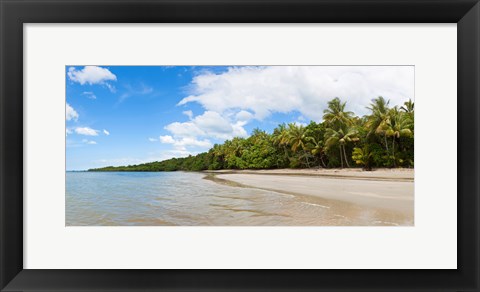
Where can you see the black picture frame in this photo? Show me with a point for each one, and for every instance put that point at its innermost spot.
(14, 13)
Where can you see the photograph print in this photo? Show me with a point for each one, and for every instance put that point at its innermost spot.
(239, 145)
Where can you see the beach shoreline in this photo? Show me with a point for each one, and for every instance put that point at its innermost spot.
(385, 189)
(390, 174)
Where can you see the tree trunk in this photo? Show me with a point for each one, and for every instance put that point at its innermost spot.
(393, 152)
(341, 157)
(345, 155)
(386, 145)
(321, 160)
(286, 151)
(306, 157)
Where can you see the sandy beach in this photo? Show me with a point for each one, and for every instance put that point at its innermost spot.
(391, 190)
(401, 174)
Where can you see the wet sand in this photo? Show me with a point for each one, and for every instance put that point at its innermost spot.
(400, 174)
(386, 189)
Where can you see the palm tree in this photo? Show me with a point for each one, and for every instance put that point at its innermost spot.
(399, 125)
(379, 115)
(296, 136)
(297, 139)
(363, 156)
(317, 148)
(379, 118)
(408, 106)
(218, 150)
(340, 127)
(341, 138)
(280, 137)
(335, 115)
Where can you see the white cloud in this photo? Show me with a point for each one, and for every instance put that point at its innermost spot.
(238, 130)
(90, 142)
(89, 95)
(152, 139)
(68, 131)
(243, 116)
(189, 114)
(213, 123)
(188, 141)
(210, 124)
(70, 113)
(184, 129)
(91, 75)
(142, 89)
(111, 87)
(106, 132)
(167, 139)
(86, 131)
(307, 89)
(185, 142)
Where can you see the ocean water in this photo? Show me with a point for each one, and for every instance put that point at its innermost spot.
(188, 199)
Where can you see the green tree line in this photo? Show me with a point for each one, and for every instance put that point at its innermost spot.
(383, 138)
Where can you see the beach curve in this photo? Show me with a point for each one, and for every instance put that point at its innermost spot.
(387, 189)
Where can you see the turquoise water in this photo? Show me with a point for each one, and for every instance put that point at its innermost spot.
(187, 199)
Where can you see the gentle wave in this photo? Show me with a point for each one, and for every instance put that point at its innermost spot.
(316, 205)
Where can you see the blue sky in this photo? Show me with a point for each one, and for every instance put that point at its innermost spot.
(120, 115)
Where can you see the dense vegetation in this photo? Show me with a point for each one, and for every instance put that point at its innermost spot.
(384, 138)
